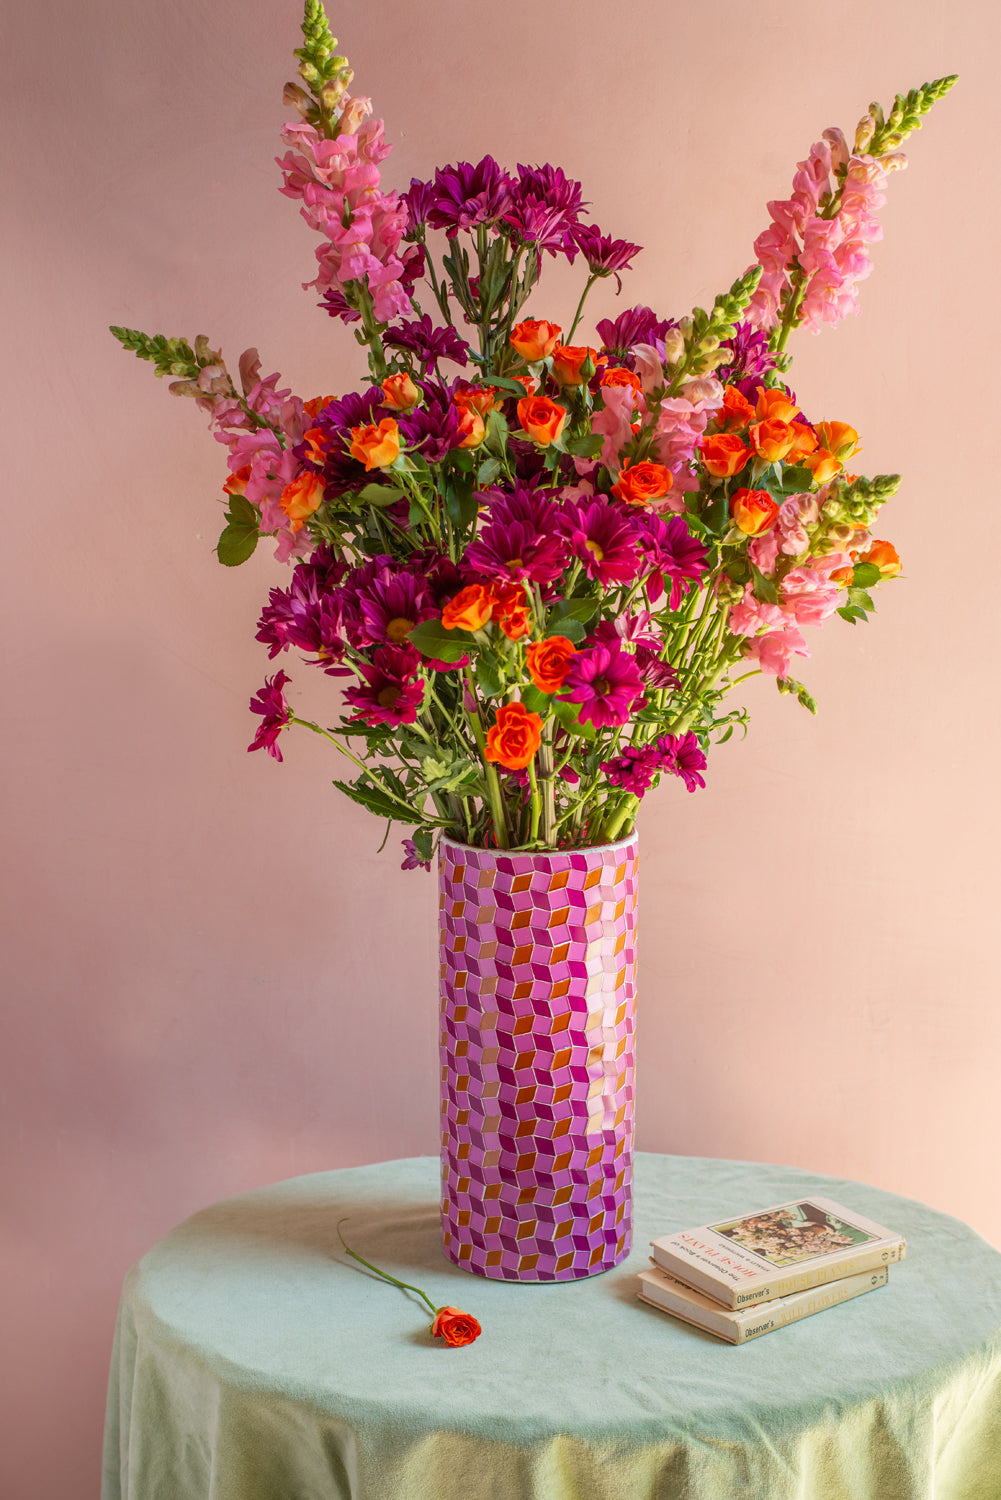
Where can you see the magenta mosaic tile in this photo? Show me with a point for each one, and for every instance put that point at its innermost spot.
(538, 964)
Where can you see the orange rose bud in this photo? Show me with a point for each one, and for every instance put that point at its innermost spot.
(736, 411)
(376, 447)
(838, 438)
(753, 511)
(844, 577)
(883, 555)
(511, 610)
(472, 427)
(314, 406)
(822, 465)
(772, 439)
(236, 484)
(535, 340)
(541, 419)
(301, 497)
(640, 483)
(723, 454)
(570, 363)
(455, 1327)
(618, 376)
(469, 610)
(515, 737)
(773, 403)
(547, 661)
(400, 392)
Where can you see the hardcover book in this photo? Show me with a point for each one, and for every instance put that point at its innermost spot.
(777, 1251)
(662, 1291)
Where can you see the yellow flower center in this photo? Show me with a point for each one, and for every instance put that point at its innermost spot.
(387, 696)
(399, 629)
(593, 547)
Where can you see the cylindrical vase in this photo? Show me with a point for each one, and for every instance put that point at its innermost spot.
(538, 992)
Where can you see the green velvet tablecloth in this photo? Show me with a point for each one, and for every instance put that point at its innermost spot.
(253, 1361)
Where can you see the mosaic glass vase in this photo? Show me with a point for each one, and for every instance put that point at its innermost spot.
(538, 960)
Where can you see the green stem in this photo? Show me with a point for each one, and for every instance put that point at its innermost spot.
(305, 724)
(384, 1275)
(494, 795)
(580, 306)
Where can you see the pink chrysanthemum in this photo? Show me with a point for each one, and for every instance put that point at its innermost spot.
(604, 537)
(394, 693)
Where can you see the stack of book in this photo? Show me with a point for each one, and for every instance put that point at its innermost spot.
(744, 1277)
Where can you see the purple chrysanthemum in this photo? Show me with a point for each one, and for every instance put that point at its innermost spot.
(605, 682)
(603, 536)
(521, 539)
(427, 342)
(337, 305)
(432, 429)
(637, 325)
(411, 857)
(683, 755)
(464, 195)
(418, 199)
(394, 692)
(604, 256)
(671, 552)
(275, 714)
(307, 614)
(752, 359)
(544, 208)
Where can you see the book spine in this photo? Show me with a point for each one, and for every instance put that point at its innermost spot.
(752, 1325)
(802, 1281)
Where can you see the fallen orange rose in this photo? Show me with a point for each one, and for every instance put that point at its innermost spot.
(450, 1323)
(455, 1327)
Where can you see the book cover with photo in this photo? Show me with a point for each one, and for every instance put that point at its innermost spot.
(739, 1325)
(774, 1252)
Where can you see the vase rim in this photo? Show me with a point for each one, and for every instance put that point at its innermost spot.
(629, 841)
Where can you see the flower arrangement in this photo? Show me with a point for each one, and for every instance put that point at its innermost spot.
(538, 566)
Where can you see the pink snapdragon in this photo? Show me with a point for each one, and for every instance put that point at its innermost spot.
(808, 597)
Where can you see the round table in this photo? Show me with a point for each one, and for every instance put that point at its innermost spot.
(254, 1361)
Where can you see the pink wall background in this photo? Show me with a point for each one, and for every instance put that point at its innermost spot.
(212, 978)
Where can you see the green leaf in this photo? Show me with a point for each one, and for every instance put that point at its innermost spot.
(715, 515)
(865, 574)
(242, 512)
(573, 630)
(504, 383)
(588, 445)
(796, 480)
(581, 608)
(536, 701)
(852, 613)
(424, 842)
(432, 639)
(764, 588)
(569, 716)
(236, 544)
(379, 802)
(488, 676)
(861, 599)
(378, 494)
(461, 502)
(489, 470)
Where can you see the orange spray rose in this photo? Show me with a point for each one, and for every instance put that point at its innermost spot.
(822, 465)
(541, 419)
(515, 737)
(469, 610)
(772, 439)
(376, 447)
(618, 376)
(640, 483)
(753, 511)
(511, 611)
(236, 484)
(301, 496)
(723, 454)
(775, 404)
(569, 360)
(535, 339)
(736, 411)
(547, 661)
(883, 555)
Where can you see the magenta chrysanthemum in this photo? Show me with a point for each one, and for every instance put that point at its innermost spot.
(520, 540)
(605, 682)
(671, 552)
(634, 769)
(683, 755)
(464, 195)
(275, 714)
(604, 537)
(393, 693)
